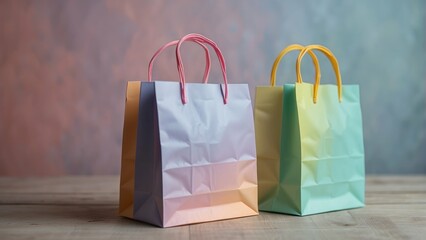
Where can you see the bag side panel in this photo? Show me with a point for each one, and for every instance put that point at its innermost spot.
(148, 198)
(268, 121)
(288, 199)
(128, 154)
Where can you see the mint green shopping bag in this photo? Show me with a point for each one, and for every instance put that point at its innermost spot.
(322, 149)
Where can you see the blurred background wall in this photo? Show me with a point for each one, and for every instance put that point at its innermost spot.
(64, 67)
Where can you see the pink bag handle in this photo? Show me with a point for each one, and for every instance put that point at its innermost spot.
(159, 51)
(181, 70)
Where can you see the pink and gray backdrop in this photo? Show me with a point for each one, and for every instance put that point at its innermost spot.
(64, 66)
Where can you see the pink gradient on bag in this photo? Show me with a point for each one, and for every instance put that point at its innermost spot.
(210, 195)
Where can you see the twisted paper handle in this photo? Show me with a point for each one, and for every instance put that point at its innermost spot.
(181, 70)
(160, 50)
(333, 61)
(287, 50)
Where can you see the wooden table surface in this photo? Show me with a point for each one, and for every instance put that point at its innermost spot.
(86, 208)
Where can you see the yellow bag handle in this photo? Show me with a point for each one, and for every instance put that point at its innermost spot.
(333, 61)
(287, 50)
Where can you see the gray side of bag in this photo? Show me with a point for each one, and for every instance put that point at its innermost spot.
(148, 194)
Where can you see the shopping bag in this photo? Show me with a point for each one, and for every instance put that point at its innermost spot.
(321, 149)
(194, 150)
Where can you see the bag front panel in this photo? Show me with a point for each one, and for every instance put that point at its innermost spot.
(208, 153)
(333, 174)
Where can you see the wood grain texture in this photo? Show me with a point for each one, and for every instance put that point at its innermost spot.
(86, 208)
(64, 67)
